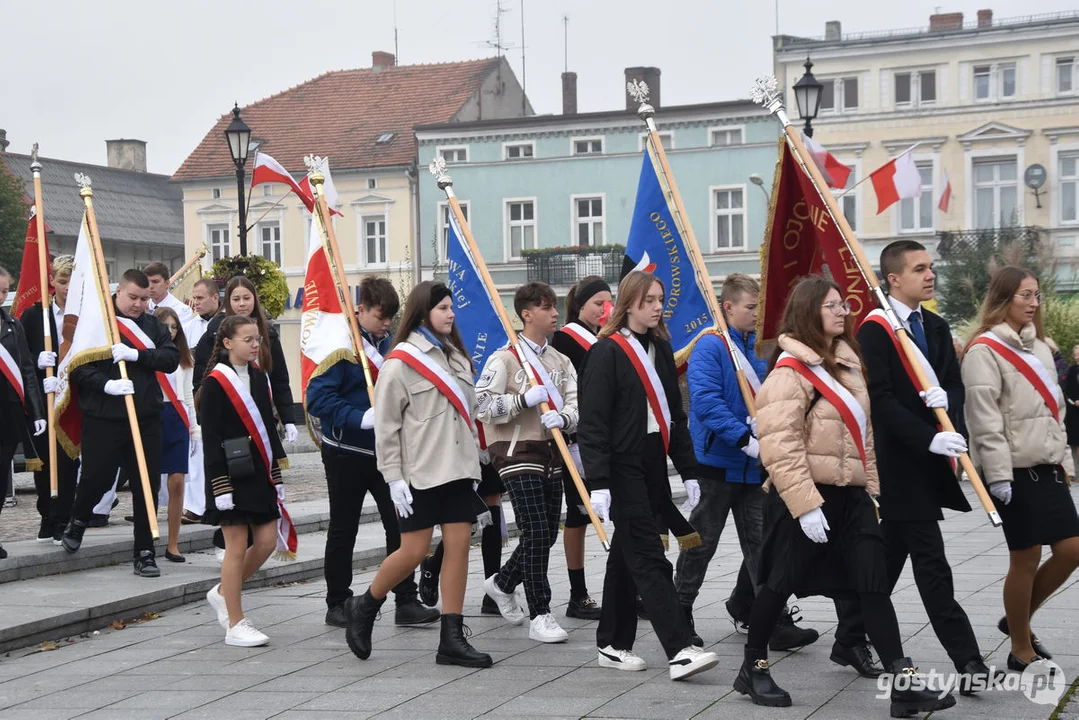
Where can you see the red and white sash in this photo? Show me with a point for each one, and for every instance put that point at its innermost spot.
(437, 375)
(743, 363)
(134, 334)
(833, 391)
(653, 388)
(877, 316)
(584, 337)
(374, 358)
(11, 371)
(1029, 366)
(554, 397)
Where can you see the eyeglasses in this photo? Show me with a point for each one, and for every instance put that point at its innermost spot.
(1028, 296)
(837, 308)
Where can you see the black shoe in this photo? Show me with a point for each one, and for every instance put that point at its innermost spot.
(788, 636)
(583, 608)
(1035, 643)
(739, 618)
(145, 565)
(72, 537)
(46, 531)
(641, 612)
(413, 612)
(428, 584)
(1018, 665)
(694, 638)
(174, 557)
(489, 606)
(859, 657)
(361, 612)
(129, 518)
(975, 676)
(98, 521)
(337, 616)
(453, 647)
(755, 679)
(912, 697)
(3, 553)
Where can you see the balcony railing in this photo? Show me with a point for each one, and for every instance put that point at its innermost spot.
(566, 265)
(960, 244)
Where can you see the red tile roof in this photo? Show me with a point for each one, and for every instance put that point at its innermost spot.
(341, 114)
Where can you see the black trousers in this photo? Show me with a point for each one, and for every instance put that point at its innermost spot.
(56, 510)
(349, 477)
(106, 444)
(537, 506)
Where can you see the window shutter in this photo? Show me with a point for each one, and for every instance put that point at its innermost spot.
(886, 90)
(965, 80)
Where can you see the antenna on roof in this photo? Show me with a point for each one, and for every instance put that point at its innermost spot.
(524, 76)
(396, 50)
(497, 42)
(565, 42)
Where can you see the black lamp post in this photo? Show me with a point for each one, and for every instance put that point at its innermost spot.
(807, 93)
(239, 137)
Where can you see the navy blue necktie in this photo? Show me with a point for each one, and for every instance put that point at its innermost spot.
(918, 332)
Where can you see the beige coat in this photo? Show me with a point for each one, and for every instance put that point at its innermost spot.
(799, 449)
(419, 436)
(1010, 426)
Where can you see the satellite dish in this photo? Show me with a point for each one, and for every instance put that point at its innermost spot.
(1035, 176)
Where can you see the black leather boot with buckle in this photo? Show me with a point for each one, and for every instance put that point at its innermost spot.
(755, 679)
(910, 694)
(362, 612)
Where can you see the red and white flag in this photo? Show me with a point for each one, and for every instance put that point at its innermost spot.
(946, 194)
(29, 291)
(325, 337)
(835, 173)
(898, 179)
(268, 170)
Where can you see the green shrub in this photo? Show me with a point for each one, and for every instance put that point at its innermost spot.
(264, 274)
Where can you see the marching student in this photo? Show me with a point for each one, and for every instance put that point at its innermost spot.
(243, 459)
(1014, 411)
(204, 302)
(526, 457)
(585, 304)
(819, 455)
(55, 513)
(631, 421)
(428, 454)
(147, 348)
(728, 452)
(338, 397)
(179, 428)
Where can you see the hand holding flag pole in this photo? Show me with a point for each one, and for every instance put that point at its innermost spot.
(445, 183)
(112, 332)
(46, 315)
(765, 93)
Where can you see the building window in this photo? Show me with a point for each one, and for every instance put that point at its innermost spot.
(916, 214)
(518, 151)
(994, 82)
(454, 154)
(995, 194)
(219, 241)
(1069, 188)
(385, 138)
(215, 193)
(372, 183)
(727, 136)
(267, 190)
(269, 235)
(520, 226)
(914, 89)
(666, 139)
(839, 95)
(374, 240)
(444, 227)
(587, 146)
(848, 201)
(1007, 81)
(588, 217)
(1065, 75)
(730, 219)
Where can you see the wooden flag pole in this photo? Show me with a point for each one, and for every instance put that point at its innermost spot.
(639, 91)
(46, 317)
(445, 183)
(188, 267)
(112, 332)
(765, 93)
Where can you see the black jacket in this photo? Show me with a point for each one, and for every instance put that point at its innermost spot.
(90, 378)
(279, 380)
(1071, 392)
(14, 341)
(914, 483)
(35, 335)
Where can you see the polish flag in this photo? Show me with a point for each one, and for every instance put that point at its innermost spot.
(835, 173)
(325, 336)
(946, 194)
(898, 179)
(268, 170)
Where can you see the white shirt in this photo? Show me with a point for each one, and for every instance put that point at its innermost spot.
(903, 313)
(182, 311)
(245, 377)
(538, 349)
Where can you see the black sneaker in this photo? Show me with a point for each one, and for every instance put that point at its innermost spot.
(98, 521)
(337, 616)
(413, 612)
(145, 565)
(788, 636)
(72, 538)
(584, 608)
(46, 531)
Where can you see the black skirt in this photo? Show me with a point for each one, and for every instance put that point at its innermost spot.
(490, 481)
(246, 517)
(454, 502)
(1041, 511)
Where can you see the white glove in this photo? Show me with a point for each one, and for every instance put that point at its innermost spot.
(601, 504)
(814, 525)
(484, 519)
(224, 502)
(291, 433)
(534, 396)
(280, 488)
(121, 352)
(119, 387)
(402, 497)
(575, 455)
(368, 421)
(948, 444)
(39, 427)
(1001, 491)
(485, 458)
(935, 397)
(552, 420)
(51, 385)
(693, 495)
(46, 359)
(752, 448)
(752, 422)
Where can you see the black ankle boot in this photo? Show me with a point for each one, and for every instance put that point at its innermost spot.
(694, 638)
(454, 649)
(910, 695)
(755, 679)
(361, 612)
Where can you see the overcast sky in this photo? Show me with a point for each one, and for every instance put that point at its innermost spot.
(78, 73)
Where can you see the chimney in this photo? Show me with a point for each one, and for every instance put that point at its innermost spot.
(833, 30)
(649, 75)
(985, 18)
(569, 93)
(127, 154)
(3, 140)
(381, 60)
(945, 21)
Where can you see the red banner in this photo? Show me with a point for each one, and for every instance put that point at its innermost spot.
(29, 291)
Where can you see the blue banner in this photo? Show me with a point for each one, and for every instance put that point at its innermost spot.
(655, 245)
(476, 317)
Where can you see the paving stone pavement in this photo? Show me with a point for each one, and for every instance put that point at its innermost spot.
(177, 666)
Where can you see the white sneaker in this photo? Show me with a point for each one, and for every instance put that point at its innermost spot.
(244, 634)
(544, 628)
(219, 553)
(691, 660)
(217, 602)
(506, 602)
(620, 659)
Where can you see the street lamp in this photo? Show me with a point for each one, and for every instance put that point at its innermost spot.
(807, 94)
(239, 137)
(759, 182)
